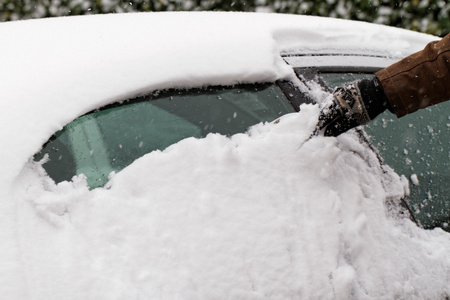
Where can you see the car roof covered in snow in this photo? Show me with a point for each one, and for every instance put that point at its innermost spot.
(54, 70)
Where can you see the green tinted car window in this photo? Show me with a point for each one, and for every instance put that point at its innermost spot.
(110, 139)
(418, 146)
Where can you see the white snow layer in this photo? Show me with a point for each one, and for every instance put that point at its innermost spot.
(259, 215)
(255, 216)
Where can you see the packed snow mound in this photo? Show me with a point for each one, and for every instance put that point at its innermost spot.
(261, 215)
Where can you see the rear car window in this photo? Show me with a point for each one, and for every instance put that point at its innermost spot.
(111, 138)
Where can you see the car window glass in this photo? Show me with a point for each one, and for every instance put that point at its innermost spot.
(112, 138)
(333, 80)
(417, 146)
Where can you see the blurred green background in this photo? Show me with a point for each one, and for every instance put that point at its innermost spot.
(430, 16)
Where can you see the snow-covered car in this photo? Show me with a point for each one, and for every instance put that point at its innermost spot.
(168, 156)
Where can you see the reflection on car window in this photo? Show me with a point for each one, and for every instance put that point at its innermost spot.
(417, 146)
(112, 138)
(333, 80)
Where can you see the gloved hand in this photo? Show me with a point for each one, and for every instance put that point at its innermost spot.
(354, 104)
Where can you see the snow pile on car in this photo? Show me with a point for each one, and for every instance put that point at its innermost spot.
(255, 216)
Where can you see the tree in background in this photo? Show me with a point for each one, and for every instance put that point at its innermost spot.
(430, 16)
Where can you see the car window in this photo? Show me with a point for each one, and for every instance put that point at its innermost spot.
(111, 138)
(417, 146)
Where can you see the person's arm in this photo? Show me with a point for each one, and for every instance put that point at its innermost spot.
(420, 80)
(417, 81)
